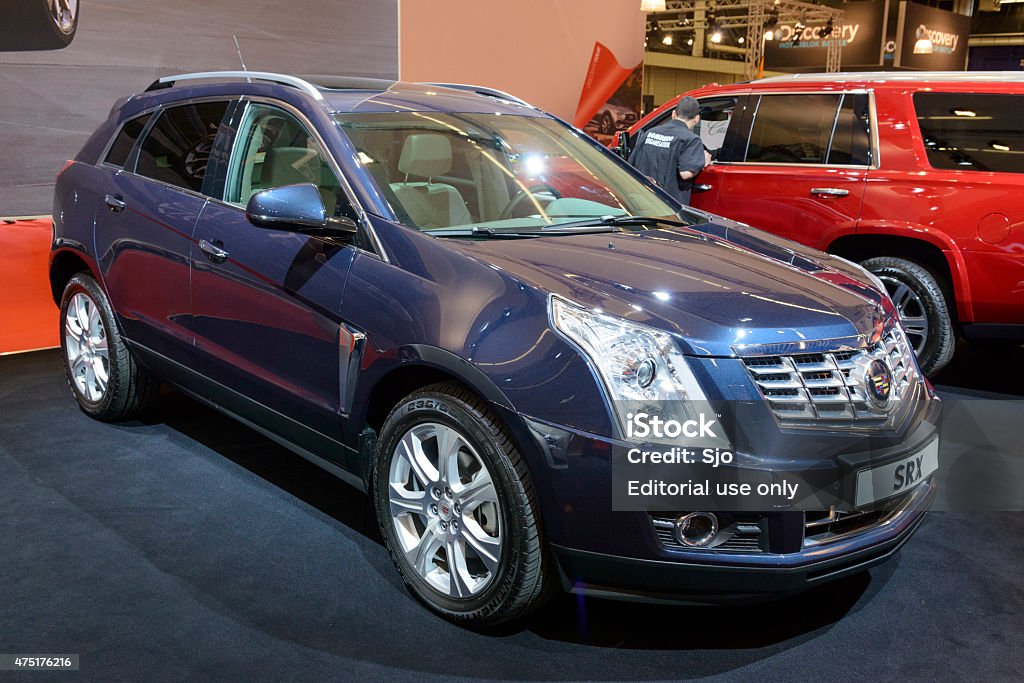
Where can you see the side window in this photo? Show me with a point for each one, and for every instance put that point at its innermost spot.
(734, 147)
(972, 131)
(715, 116)
(851, 141)
(792, 129)
(178, 146)
(125, 141)
(273, 149)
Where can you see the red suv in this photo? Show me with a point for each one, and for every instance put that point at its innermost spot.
(911, 175)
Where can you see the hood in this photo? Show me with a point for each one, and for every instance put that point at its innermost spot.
(716, 287)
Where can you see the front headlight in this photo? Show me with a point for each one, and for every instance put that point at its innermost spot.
(640, 366)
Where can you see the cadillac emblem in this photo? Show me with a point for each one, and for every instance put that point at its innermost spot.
(878, 384)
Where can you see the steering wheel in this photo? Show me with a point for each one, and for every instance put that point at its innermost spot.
(522, 195)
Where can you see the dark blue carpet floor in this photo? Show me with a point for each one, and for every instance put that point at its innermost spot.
(189, 547)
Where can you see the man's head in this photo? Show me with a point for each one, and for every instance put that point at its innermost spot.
(687, 110)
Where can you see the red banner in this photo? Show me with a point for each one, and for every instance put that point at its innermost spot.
(604, 76)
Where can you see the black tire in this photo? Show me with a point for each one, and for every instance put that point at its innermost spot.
(520, 581)
(30, 25)
(607, 124)
(934, 294)
(130, 389)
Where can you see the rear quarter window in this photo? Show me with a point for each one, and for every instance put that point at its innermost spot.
(972, 131)
(125, 141)
(177, 149)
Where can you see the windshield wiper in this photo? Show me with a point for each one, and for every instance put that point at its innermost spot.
(622, 221)
(587, 228)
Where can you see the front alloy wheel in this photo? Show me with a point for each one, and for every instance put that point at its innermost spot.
(445, 510)
(457, 509)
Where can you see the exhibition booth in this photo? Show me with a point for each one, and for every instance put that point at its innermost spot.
(521, 341)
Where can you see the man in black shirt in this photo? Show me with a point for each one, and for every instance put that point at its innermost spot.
(671, 154)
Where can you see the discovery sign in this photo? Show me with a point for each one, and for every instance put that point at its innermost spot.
(931, 39)
(797, 47)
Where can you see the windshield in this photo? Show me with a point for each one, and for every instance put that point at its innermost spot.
(493, 171)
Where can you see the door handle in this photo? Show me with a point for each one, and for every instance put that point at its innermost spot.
(702, 187)
(115, 202)
(829, 192)
(214, 251)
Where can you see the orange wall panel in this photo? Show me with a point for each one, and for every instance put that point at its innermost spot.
(538, 50)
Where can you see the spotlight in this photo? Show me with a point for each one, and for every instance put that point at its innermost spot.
(689, 41)
(741, 40)
(716, 37)
(667, 40)
(769, 35)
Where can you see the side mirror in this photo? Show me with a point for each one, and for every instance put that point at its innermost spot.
(294, 207)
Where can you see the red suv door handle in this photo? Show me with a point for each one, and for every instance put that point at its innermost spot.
(829, 192)
(703, 187)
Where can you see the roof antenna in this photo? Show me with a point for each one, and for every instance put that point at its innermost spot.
(239, 51)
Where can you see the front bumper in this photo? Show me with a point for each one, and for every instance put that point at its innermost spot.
(740, 578)
(600, 551)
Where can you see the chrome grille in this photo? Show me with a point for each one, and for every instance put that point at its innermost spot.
(822, 527)
(806, 388)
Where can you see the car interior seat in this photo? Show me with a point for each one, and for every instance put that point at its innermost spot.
(429, 204)
(294, 165)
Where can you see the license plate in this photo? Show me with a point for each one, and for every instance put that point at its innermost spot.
(897, 477)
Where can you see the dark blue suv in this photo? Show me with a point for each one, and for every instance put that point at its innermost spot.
(449, 299)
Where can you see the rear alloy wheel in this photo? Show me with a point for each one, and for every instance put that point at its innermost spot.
(921, 301)
(88, 356)
(456, 508)
(104, 377)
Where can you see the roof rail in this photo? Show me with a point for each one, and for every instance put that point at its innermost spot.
(249, 76)
(482, 90)
(331, 82)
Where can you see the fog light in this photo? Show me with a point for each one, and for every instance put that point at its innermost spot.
(697, 529)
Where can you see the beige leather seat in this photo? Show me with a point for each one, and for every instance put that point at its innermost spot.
(290, 166)
(429, 204)
(294, 165)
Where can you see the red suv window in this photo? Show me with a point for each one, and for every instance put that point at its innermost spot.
(972, 131)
